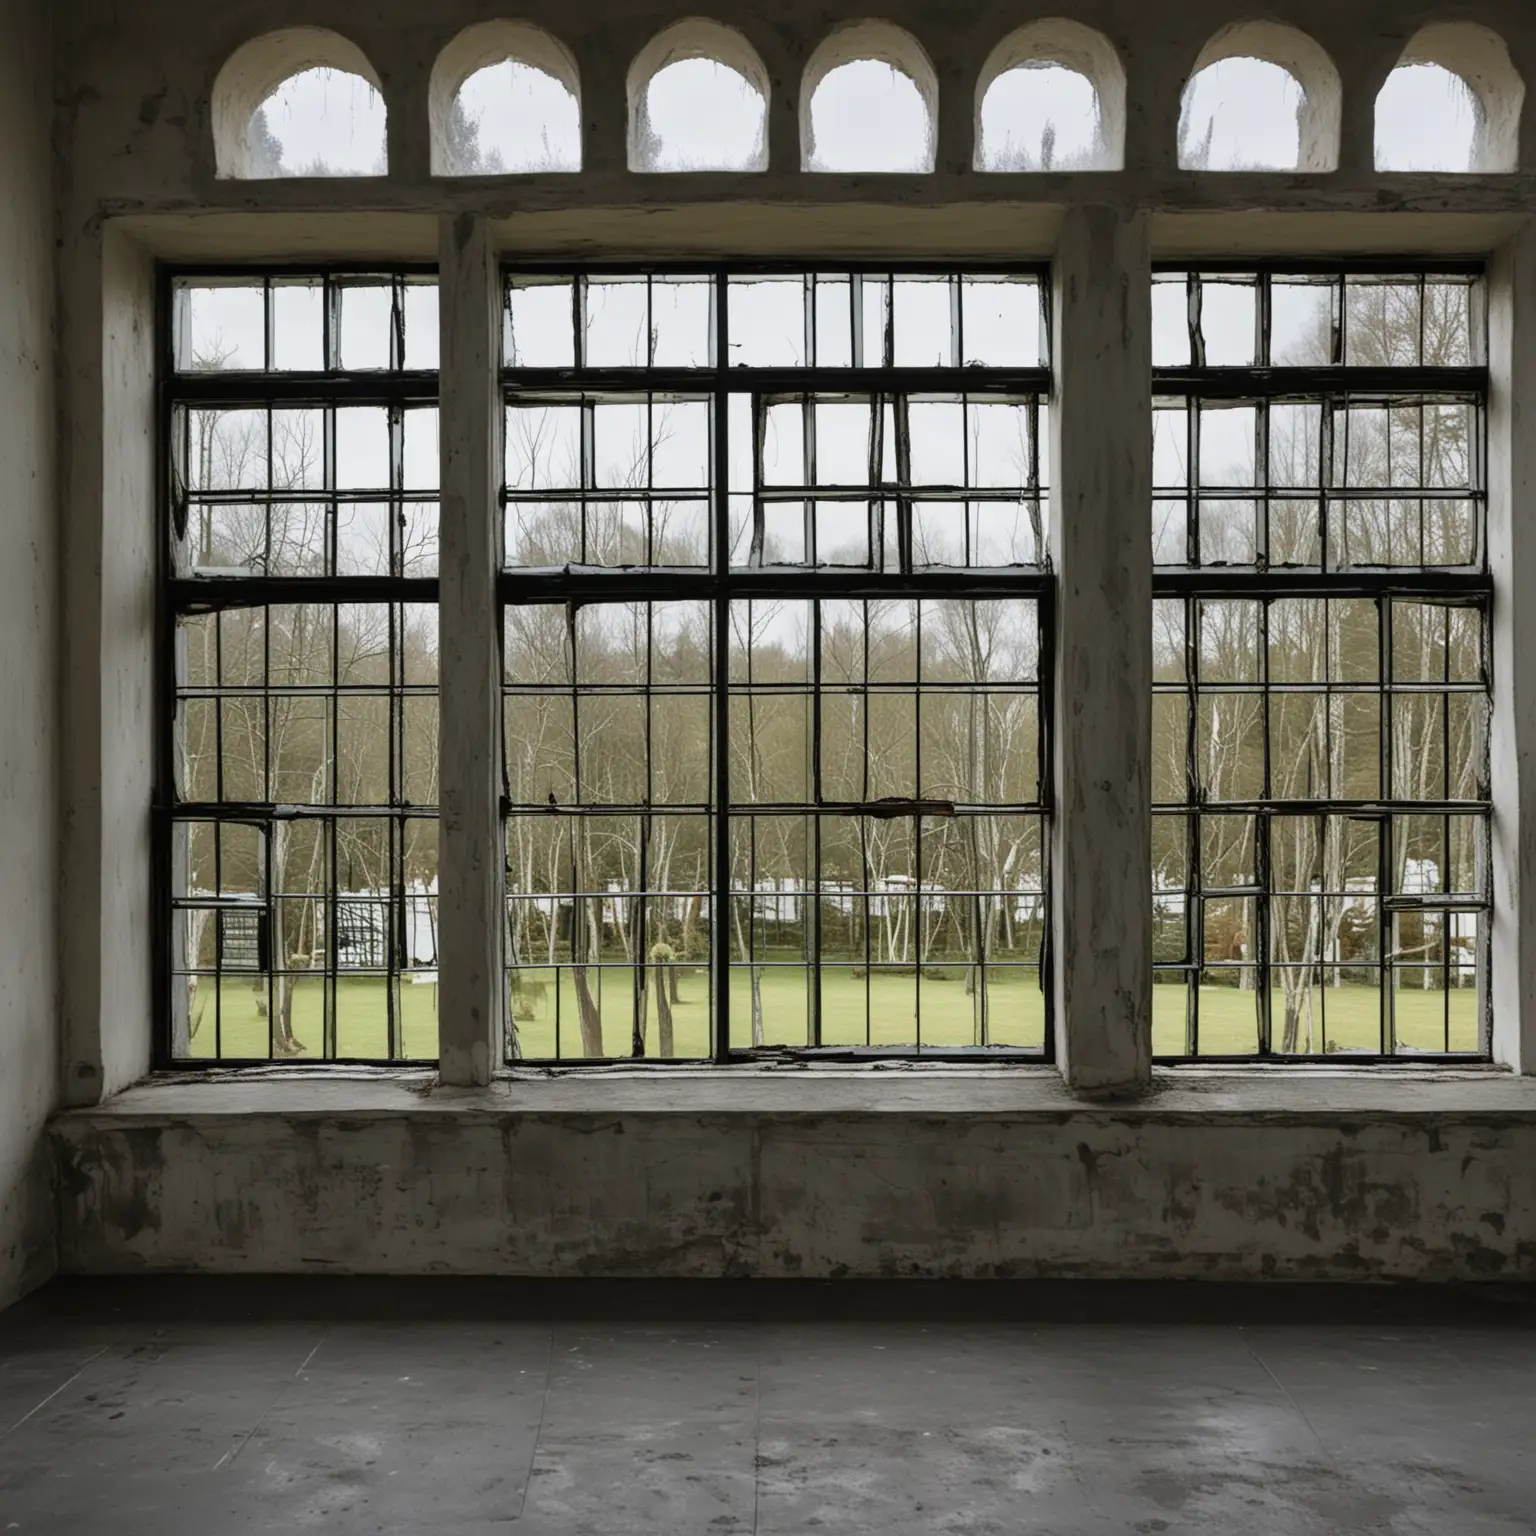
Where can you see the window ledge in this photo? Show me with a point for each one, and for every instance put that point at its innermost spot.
(1187, 1094)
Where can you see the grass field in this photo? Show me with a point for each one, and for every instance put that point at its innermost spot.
(361, 1025)
(1346, 1018)
(879, 1010)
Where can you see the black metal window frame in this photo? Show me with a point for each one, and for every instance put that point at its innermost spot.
(574, 586)
(1329, 386)
(180, 595)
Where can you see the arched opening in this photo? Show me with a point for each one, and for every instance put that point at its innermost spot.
(868, 102)
(698, 101)
(505, 98)
(1051, 98)
(1452, 104)
(1261, 97)
(303, 102)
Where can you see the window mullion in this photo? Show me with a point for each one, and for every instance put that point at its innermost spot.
(470, 856)
(1101, 830)
(1511, 545)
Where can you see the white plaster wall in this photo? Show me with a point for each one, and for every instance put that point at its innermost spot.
(28, 643)
(1063, 1194)
(107, 510)
(140, 75)
(137, 174)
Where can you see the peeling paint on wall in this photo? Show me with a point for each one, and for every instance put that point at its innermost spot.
(697, 1194)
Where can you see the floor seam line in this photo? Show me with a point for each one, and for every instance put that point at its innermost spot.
(538, 1434)
(229, 1458)
(63, 1386)
(757, 1434)
(1301, 1412)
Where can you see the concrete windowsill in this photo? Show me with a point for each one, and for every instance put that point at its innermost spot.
(1314, 1094)
(825, 1173)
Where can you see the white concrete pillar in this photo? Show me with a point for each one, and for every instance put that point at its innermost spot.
(470, 859)
(109, 534)
(1512, 558)
(1101, 478)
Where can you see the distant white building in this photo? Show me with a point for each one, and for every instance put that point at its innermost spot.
(362, 931)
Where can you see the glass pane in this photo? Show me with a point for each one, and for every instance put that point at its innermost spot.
(220, 326)
(540, 323)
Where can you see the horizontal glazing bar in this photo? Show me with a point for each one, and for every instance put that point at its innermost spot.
(825, 381)
(1355, 581)
(1373, 810)
(257, 811)
(1351, 385)
(236, 390)
(586, 584)
(204, 594)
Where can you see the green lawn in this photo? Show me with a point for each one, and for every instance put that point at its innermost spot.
(361, 1026)
(1346, 1018)
(1016, 1013)
(880, 1010)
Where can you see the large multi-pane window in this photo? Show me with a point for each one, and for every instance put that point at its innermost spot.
(296, 832)
(1320, 650)
(775, 596)
(776, 605)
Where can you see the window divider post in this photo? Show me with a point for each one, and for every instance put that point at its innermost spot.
(1101, 493)
(1512, 563)
(470, 857)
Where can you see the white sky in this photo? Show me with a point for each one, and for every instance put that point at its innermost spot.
(329, 116)
(1021, 102)
(867, 116)
(706, 115)
(986, 447)
(526, 116)
(1424, 121)
(1001, 323)
(1251, 107)
(225, 321)
(223, 326)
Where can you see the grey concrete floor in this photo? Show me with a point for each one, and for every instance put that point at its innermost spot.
(269, 1404)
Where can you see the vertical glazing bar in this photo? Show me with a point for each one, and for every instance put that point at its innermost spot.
(1194, 898)
(813, 552)
(720, 776)
(332, 941)
(1261, 477)
(1258, 947)
(331, 339)
(813, 780)
(638, 991)
(395, 939)
(471, 856)
(977, 792)
(1386, 854)
(1192, 479)
(1263, 906)
(1325, 554)
(755, 413)
(218, 945)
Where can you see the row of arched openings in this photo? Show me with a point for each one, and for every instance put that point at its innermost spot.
(506, 99)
